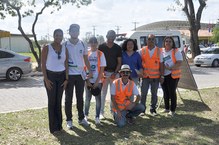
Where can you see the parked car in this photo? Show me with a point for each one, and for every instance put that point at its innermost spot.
(209, 57)
(202, 49)
(13, 65)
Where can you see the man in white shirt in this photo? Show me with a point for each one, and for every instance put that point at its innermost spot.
(78, 57)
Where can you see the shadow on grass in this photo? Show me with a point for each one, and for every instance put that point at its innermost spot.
(193, 106)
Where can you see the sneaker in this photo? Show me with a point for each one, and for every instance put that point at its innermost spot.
(130, 120)
(97, 120)
(165, 111)
(69, 125)
(142, 114)
(153, 112)
(86, 117)
(171, 113)
(101, 117)
(83, 122)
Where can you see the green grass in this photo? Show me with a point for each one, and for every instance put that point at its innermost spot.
(195, 123)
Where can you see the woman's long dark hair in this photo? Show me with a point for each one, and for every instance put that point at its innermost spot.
(169, 37)
(124, 45)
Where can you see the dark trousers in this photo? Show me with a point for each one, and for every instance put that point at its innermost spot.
(169, 90)
(77, 82)
(55, 100)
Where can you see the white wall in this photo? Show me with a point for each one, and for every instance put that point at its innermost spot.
(15, 43)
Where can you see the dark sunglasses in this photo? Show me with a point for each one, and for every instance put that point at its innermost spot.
(125, 72)
(59, 54)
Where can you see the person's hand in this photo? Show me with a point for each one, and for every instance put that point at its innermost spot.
(64, 85)
(95, 85)
(48, 84)
(113, 76)
(130, 106)
(88, 83)
(161, 80)
(168, 67)
(90, 75)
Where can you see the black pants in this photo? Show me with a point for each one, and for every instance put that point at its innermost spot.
(77, 82)
(55, 100)
(169, 90)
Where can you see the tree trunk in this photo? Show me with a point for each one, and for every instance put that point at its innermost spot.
(194, 45)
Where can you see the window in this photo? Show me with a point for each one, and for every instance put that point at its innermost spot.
(4, 54)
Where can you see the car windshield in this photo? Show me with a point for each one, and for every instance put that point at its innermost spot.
(211, 51)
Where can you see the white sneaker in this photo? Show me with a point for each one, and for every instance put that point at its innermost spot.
(97, 120)
(165, 111)
(86, 117)
(83, 122)
(171, 113)
(69, 125)
(101, 117)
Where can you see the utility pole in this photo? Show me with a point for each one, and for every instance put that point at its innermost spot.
(117, 29)
(94, 29)
(135, 23)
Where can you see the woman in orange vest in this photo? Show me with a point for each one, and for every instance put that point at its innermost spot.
(172, 60)
(124, 109)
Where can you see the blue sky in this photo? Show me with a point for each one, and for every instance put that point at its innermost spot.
(107, 14)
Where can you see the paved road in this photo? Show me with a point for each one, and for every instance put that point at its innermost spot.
(29, 92)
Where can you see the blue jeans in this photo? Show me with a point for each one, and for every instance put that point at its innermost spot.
(87, 101)
(139, 108)
(154, 84)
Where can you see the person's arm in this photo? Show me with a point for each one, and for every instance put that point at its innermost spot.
(87, 63)
(66, 70)
(43, 66)
(100, 75)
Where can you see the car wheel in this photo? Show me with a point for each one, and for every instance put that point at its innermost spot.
(198, 65)
(215, 63)
(14, 74)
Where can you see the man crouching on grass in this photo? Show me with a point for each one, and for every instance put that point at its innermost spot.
(121, 91)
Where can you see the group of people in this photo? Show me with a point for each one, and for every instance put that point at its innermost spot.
(70, 65)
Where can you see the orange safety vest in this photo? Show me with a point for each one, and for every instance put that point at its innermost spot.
(122, 97)
(151, 65)
(175, 73)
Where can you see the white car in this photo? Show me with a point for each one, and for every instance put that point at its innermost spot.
(13, 65)
(209, 57)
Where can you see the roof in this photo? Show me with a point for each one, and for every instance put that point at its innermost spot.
(4, 33)
(171, 25)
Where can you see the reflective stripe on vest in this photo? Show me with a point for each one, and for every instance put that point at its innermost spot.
(175, 73)
(151, 65)
(122, 97)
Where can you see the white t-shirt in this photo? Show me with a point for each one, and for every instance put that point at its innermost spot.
(151, 52)
(113, 88)
(52, 61)
(76, 57)
(93, 59)
(168, 60)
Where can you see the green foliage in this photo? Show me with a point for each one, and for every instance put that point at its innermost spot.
(215, 37)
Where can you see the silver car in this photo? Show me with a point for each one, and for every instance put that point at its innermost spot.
(13, 65)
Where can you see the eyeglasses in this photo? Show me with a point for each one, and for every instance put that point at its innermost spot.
(125, 72)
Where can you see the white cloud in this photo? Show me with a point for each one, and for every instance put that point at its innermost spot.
(107, 14)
